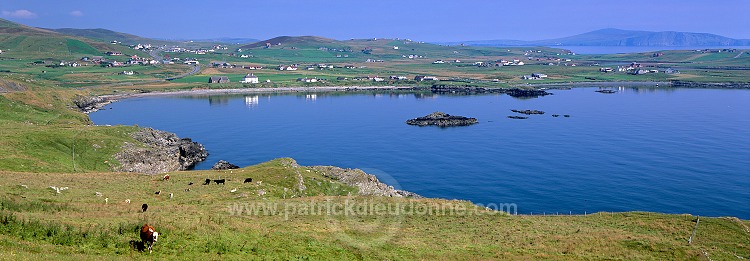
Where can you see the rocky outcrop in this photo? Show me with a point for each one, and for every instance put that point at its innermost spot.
(368, 184)
(524, 93)
(714, 85)
(528, 112)
(471, 90)
(89, 104)
(163, 152)
(11, 86)
(224, 165)
(442, 120)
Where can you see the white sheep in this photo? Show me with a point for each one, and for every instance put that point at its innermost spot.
(58, 190)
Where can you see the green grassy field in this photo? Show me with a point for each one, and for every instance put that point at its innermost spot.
(210, 222)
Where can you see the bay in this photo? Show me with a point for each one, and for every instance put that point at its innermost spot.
(640, 149)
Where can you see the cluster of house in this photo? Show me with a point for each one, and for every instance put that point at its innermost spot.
(499, 63)
(635, 68)
(320, 66)
(222, 65)
(249, 78)
(716, 50)
(292, 67)
(177, 49)
(310, 80)
(534, 76)
(419, 78)
(411, 56)
(142, 47)
(100, 60)
(140, 60)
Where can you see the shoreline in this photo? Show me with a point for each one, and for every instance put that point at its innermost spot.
(669, 84)
(260, 90)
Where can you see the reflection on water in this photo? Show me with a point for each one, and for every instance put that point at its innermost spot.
(218, 100)
(251, 101)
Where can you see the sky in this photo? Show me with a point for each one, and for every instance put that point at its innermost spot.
(419, 20)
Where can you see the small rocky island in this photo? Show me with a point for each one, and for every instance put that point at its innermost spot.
(442, 119)
(528, 112)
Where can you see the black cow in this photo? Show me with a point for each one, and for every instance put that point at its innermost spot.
(144, 207)
(248, 180)
(208, 181)
(220, 181)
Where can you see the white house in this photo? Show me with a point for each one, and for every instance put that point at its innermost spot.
(250, 78)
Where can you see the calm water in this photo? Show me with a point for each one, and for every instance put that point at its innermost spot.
(675, 151)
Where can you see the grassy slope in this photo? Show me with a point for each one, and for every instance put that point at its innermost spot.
(197, 224)
(40, 132)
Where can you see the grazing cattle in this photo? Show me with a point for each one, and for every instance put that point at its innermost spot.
(165, 178)
(171, 195)
(220, 181)
(190, 184)
(157, 192)
(149, 236)
(208, 181)
(248, 180)
(187, 190)
(127, 201)
(144, 207)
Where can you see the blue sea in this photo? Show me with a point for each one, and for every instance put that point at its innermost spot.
(640, 149)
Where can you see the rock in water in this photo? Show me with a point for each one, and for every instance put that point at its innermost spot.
(442, 119)
(224, 165)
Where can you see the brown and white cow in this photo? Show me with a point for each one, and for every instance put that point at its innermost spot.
(148, 236)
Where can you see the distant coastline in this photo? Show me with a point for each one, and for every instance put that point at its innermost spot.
(676, 84)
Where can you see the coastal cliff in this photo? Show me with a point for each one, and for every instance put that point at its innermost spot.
(163, 152)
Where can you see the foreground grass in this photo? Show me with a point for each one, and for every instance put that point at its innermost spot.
(210, 222)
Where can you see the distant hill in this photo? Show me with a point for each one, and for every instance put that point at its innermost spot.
(293, 41)
(8, 27)
(106, 35)
(27, 41)
(618, 37)
(228, 40)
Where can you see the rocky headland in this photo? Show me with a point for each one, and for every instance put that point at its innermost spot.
(442, 119)
(89, 104)
(163, 152)
(368, 184)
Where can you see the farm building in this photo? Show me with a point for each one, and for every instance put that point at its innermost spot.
(250, 78)
(218, 79)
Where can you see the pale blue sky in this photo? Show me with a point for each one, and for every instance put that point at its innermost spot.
(423, 20)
